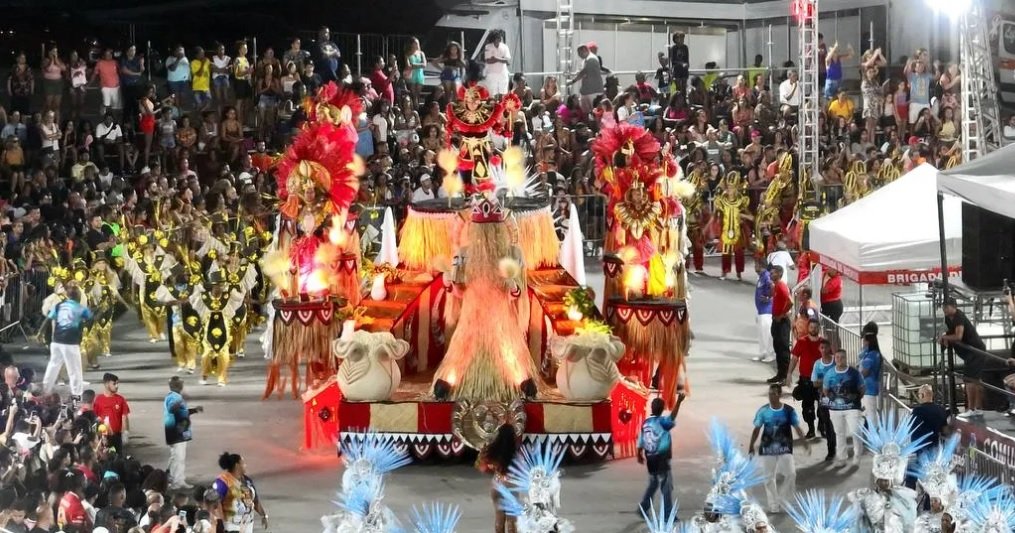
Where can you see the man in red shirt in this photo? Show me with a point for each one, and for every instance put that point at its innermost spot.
(782, 311)
(831, 295)
(806, 351)
(107, 70)
(112, 410)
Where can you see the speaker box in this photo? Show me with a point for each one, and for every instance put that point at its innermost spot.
(988, 248)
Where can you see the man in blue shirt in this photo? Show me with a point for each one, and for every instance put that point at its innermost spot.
(176, 419)
(843, 387)
(821, 366)
(919, 87)
(763, 302)
(655, 452)
(775, 423)
(68, 319)
(178, 76)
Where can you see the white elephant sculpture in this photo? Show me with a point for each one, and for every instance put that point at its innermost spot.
(587, 363)
(369, 369)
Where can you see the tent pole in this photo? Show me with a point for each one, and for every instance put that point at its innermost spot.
(953, 405)
(860, 310)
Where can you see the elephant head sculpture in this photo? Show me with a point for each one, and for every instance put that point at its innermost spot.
(587, 364)
(369, 368)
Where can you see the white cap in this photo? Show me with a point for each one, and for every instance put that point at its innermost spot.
(245, 176)
(146, 170)
(424, 177)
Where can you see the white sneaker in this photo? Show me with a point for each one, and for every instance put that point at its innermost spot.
(722, 277)
(190, 371)
(240, 354)
(179, 369)
(768, 359)
(162, 336)
(202, 382)
(86, 383)
(222, 384)
(153, 341)
(107, 354)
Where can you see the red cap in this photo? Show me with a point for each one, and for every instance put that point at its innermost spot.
(591, 45)
(913, 139)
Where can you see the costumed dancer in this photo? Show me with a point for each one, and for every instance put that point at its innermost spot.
(488, 360)
(733, 474)
(670, 191)
(972, 489)
(751, 517)
(936, 478)
(768, 223)
(216, 304)
(242, 278)
(146, 269)
(991, 514)
(471, 119)
(186, 322)
(81, 277)
(732, 211)
(697, 220)
(103, 290)
(888, 507)
(813, 512)
(531, 493)
(361, 507)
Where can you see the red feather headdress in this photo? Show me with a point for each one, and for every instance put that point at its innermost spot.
(641, 154)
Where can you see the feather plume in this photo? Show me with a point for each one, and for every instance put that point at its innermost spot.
(813, 512)
(436, 518)
(658, 521)
(509, 268)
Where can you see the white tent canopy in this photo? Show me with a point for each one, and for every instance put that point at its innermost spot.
(988, 182)
(891, 236)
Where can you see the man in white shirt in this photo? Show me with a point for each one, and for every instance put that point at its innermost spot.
(109, 137)
(1009, 129)
(497, 57)
(782, 258)
(789, 93)
(425, 190)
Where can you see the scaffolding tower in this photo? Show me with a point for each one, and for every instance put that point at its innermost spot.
(806, 12)
(565, 42)
(981, 126)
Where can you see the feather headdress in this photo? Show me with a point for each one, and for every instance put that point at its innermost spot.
(993, 514)
(934, 470)
(814, 512)
(658, 521)
(368, 456)
(536, 473)
(971, 489)
(738, 505)
(435, 518)
(891, 441)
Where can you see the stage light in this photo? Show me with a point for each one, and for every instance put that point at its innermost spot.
(529, 389)
(441, 390)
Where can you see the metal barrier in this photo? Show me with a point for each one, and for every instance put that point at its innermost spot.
(592, 220)
(12, 307)
(841, 337)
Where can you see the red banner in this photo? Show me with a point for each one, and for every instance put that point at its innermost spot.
(888, 277)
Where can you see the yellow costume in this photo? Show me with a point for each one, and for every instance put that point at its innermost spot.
(216, 305)
(147, 269)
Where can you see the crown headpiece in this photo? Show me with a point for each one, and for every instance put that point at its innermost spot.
(485, 211)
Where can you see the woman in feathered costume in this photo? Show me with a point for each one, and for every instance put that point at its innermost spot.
(487, 359)
(318, 180)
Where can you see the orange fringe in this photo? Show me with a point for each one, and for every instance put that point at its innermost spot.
(424, 238)
(658, 343)
(537, 238)
(295, 344)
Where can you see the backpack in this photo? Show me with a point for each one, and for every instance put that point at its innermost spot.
(651, 436)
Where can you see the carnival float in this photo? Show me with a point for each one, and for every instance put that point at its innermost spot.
(469, 320)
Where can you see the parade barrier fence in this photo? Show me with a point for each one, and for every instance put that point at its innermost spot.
(13, 295)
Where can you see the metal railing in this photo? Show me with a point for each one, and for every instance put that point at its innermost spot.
(12, 307)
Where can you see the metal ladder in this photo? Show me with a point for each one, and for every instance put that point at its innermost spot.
(810, 92)
(565, 42)
(981, 125)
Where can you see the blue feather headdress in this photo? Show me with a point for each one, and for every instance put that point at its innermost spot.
(993, 514)
(658, 521)
(722, 442)
(381, 452)
(738, 505)
(738, 474)
(891, 441)
(436, 518)
(813, 512)
(509, 501)
(935, 469)
(358, 499)
(972, 489)
(535, 472)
